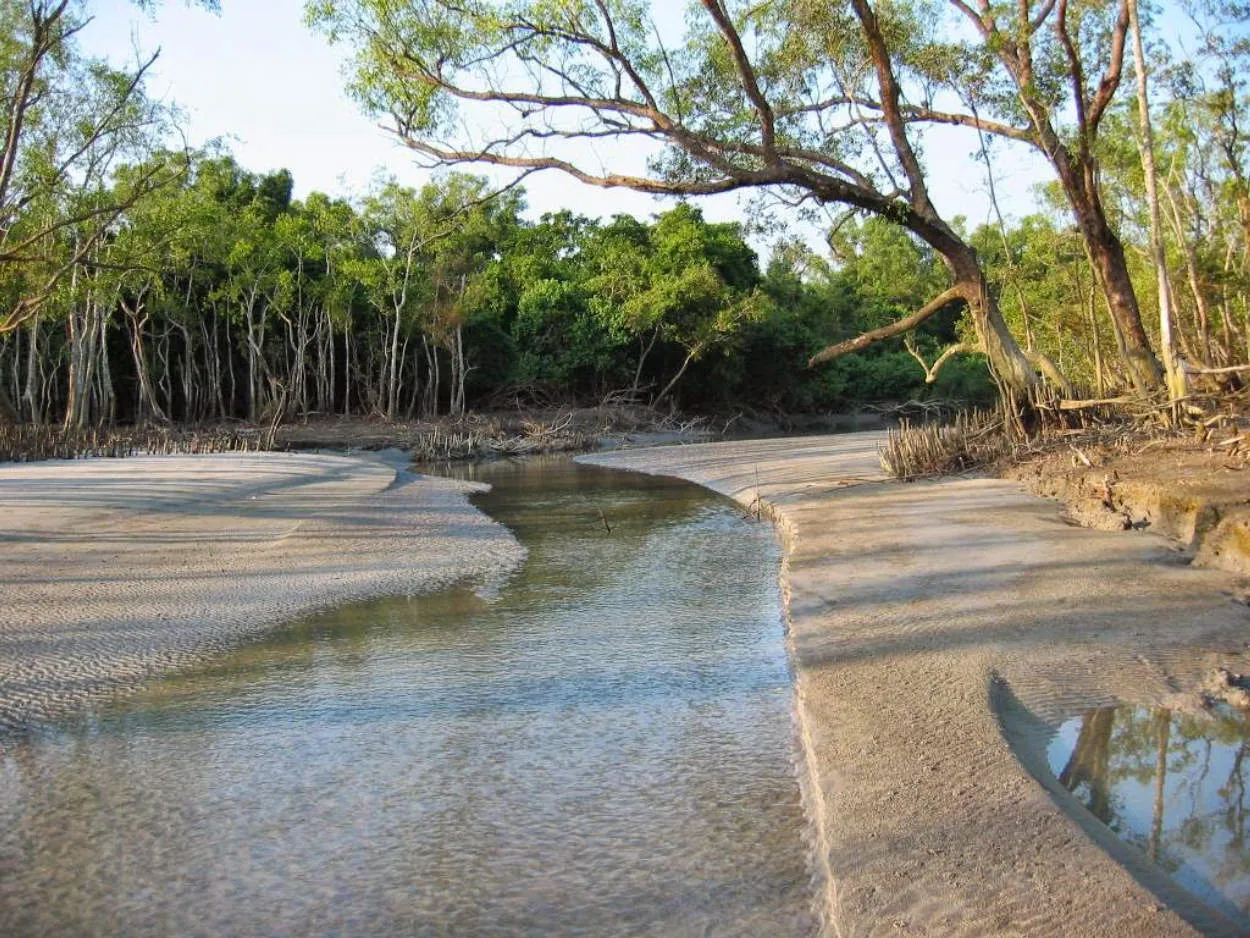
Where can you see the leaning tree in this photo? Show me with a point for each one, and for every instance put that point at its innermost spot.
(742, 97)
(1044, 73)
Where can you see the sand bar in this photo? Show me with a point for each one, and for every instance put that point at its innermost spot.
(112, 570)
(932, 622)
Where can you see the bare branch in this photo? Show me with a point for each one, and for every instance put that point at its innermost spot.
(451, 156)
(1115, 68)
(906, 324)
(1076, 71)
(890, 106)
(931, 371)
(914, 113)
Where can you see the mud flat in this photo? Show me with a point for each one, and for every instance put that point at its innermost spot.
(941, 631)
(114, 569)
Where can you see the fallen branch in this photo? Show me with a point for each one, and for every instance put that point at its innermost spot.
(1231, 369)
(1067, 404)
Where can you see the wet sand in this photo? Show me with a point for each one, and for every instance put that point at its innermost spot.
(940, 632)
(112, 570)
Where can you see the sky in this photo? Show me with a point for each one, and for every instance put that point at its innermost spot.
(257, 77)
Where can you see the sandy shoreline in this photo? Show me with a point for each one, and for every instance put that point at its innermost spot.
(112, 570)
(929, 623)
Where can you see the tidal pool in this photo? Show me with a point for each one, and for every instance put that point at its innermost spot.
(601, 745)
(1171, 784)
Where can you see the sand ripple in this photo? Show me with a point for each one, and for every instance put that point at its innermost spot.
(111, 570)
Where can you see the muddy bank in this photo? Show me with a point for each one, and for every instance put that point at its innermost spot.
(112, 570)
(941, 631)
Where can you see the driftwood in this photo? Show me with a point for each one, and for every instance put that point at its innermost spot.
(1066, 404)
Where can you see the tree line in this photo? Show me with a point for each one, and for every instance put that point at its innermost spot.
(828, 104)
(145, 283)
(222, 297)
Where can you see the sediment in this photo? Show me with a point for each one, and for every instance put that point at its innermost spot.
(113, 570)
(940, 632)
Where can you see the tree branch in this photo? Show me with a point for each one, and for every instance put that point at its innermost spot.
(1115, 68)
(931, 371)
(915, 113)
(906, 324)
(750, 81)
(890, 107)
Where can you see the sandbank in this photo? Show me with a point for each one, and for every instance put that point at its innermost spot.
(112, 570)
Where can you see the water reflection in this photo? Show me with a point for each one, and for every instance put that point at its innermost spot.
(1172, 784)
(601, 746)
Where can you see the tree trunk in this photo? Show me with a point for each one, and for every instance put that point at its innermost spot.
(348, 353)
(234, 384)
(1167, 340)
(148, 406)
(1100, 384)
(13, 395)
(33, 363)
(1163, 729)
(392, 383)
(1089, 762)
(8, 398)
(1202, 310)
(1007, 360)
(1108, 256)
(920, 216)
(642, 360)
(255, 354)
(1077, 170)
(691, 355)
(107, 397)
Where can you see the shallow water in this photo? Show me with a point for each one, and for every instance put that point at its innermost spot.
(1171, 784)
(601, 745)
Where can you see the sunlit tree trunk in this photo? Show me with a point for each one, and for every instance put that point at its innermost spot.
(33, 362)
(1167, 339)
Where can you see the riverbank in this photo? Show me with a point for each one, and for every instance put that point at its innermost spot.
(114, 570)
(940, 631)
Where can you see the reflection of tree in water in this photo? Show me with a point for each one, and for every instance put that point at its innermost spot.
(1088, 764)
(1173, 785)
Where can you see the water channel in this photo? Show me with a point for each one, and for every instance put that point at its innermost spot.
(600, 745)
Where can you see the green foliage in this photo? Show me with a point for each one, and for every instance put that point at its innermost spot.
(270, 296)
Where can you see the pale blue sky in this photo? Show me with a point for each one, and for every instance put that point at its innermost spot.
(257, 76)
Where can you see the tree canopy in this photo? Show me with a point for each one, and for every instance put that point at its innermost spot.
(143, 281)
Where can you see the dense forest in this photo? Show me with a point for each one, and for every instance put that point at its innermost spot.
(221, 297)
(140, 282)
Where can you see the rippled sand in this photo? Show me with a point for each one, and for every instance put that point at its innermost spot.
(114, 569)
